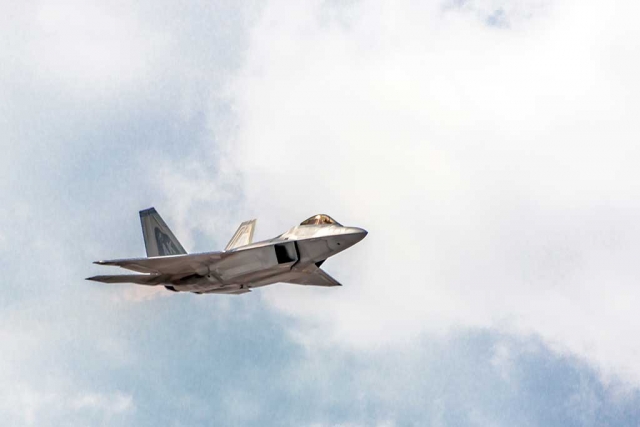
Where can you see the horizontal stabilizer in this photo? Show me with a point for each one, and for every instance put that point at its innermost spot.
(227, 291)
(243, 236)
(140, 279)
(176, 264)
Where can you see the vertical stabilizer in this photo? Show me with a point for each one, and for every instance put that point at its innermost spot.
(158, 239)
(243, 236)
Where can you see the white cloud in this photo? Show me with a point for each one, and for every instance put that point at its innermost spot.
(112, 403)
(494, 168)
(88, 47)
(28, 404)
(80, 51)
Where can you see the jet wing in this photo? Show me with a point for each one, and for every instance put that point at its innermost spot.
(140, 279)
(313, 277)
(173, 264)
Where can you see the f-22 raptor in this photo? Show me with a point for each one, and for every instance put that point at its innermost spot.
(293, 257)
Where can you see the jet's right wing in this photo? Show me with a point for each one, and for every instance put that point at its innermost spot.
(312, 277)
(243, 236)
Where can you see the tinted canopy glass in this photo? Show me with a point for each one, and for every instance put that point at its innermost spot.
(320, 219)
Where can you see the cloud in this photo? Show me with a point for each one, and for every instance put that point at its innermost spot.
(28, 406)
(91, 96)
(501, 13)
(493, 167)
(454, 381)
(111, 403)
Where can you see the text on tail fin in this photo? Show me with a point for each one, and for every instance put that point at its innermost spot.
(158, 238)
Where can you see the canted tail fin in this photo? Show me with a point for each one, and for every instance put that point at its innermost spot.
(243, 236)
(158, 239)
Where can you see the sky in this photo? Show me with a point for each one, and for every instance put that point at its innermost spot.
(488, 146)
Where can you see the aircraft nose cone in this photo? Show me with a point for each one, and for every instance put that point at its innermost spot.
(347, 237)
(358, 233)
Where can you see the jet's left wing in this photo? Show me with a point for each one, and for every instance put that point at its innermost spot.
(312, 276)
(173, 264)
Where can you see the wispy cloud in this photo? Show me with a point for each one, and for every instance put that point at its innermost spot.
(30, 405)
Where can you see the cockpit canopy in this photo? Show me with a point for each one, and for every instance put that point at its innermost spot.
(320, 219)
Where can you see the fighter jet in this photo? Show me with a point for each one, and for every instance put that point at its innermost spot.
(293, 257)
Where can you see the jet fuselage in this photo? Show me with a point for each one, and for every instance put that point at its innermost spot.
(293, 257)
(274, 260)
